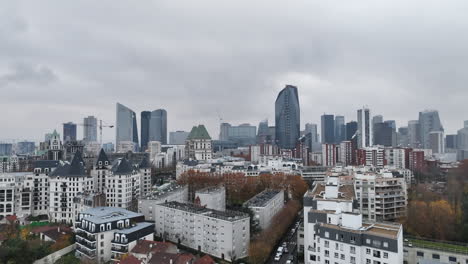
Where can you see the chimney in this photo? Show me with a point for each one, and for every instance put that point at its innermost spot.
(170, 261)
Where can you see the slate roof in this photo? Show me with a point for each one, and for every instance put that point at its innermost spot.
(145, 163)
(76, 168)
(199, 132)
(42, 164)
(122, 166)
(102, 157)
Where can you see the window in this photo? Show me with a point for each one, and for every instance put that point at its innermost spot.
(452, 259)
(385, 244)
(342, 256)
(368, 241)
(337, 255)
(435, 256)
(368, 261)
(376, 254)
(327, 253)
(352, 250)
(420, 254)
(327, 235)
(385, 255)
(367, 250)
(327, 244)
(312, 257)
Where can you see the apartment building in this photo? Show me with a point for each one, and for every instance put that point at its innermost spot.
(334, 231)
(168, 192)
(265, 206)
(106, 233)
(222, 234)
(381, 196)
(65, 182)
(212, 198)
(122, 184)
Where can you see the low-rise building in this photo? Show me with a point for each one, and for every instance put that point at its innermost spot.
(222, 234)
(418, 251)
(265, 206)
(212, 198)
(166, 193)
(107, 233)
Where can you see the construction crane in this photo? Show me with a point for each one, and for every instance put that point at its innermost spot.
(100, 126)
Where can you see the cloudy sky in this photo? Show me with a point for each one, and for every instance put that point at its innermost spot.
(63, 60)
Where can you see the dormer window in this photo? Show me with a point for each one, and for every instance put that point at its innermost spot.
(127, 222)
(106, 162)
(100, 163)
(102, 228)
(108, 226)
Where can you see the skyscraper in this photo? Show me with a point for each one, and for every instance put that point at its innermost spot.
(364, 128)
(375, 119)
(312, 129)
(402, 137)
(328, 129)
(340, 129)
(224, 131)
(287, 117)
(178, 137)
(429, 121)
(383, 134)
(158, 126)
(451, 141)
(351, 129)
(90, 129)
(144, 126)
(126, 125)
(414, 134)
(69, 132)
(437, 142)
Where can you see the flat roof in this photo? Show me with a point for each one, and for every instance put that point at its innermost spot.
(132, 229)
(227, 215)
(345, 192)
(99, 215)
(211, 189)
(262, 199)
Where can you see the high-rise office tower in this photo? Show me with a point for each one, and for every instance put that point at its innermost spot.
(287, 117)
(178, 137)
(392, 125)
(340, 129)
(414, 134)
(158, 126)
(69, 132)
(429, 121)
(462, 138)
(328, 129)
(263, 128)
(402, 137)
(126, 125)
(383, 134)
(224, 131)
(364, 128)
(90, 129)
(264, 133)
(465, 123)
(144, 127)
(351, 129)
(312, 129)
(451, 141)
(437, 142)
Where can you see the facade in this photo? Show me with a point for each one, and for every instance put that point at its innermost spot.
(381, 197)
(122, 185)
(69, 132)
(158, 126)
(144, 126)
(90, 129)
(212, 198)
(243, 134)
(414, 134)
(328, 129)
(438, 253)
(330, 154)
(65, 182)
(6, 149)
(364, 128)
(198, 145)
(106, 233)
(54, 147)
(429, 121)
(40, 186)
(383, 134)
(437, 142)
(287, 117)
(371, 156)
(351, 129)
(265, 206)
(126, 125)
(178, 137)
(224, 131)
(170, 192)
(340, 129)
(346, 153)
(397, 157)
(222, 234)
(335, 233)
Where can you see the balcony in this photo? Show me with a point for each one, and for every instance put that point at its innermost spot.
(86, 236)
(84, 251)
(119, 249)
(86, 243)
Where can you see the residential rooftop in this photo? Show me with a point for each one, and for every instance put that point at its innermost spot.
(345, 192)
(214, 189)
(262, 199)
(370, 228)
(227, 215)
(100, 215)
(135, 228)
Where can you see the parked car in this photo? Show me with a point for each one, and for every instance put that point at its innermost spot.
(277, 257)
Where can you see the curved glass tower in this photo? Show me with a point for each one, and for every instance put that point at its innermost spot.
(287, 117)
(126, 125)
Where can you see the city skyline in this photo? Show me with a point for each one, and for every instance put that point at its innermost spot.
(397, 73)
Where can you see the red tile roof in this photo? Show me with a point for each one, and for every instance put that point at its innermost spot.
(129, 260)
(147, 246)
(204, 260)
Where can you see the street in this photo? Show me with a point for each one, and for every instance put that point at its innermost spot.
(290, 238)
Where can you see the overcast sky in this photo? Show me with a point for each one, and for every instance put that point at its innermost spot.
(63, 60)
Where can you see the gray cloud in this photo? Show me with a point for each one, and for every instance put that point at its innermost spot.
(199, 58)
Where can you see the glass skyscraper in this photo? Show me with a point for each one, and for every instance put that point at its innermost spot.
(158, 126)
(287, 118)
(145, 123)
(69, 132)
(328, 129)
(364, 128)
(429, 121)
(126, 125)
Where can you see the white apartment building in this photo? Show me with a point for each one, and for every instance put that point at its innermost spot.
(168, 192)
(265, 206)
(222, 234)
(99, 172)
(154, 148)
(335, 233)
(122, 184)
(381, 197)
(212, 198)
(106, 233)
(396, 157)
(438, 253)
(7, 194)
(40, 186)
(65, 183)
